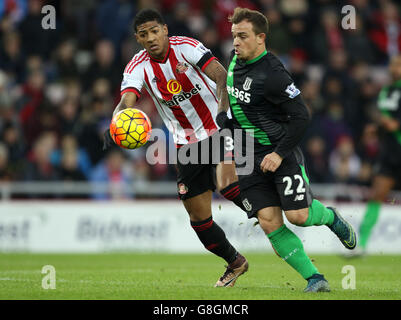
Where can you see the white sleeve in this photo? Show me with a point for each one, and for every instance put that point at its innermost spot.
(133, 79)
(196, 53)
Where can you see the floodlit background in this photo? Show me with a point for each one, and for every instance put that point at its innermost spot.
(58, 89)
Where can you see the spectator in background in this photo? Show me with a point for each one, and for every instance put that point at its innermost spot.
(316, 156)
(33, 38)
(328, 37)
(12, 60)
(312, 97)
(113, 172)
(179, 20)
(15, 144)
(77, 16)
(386, 31)
(357, 43)
(331, 124)
(16, 9)
(76, 158)
(6, 173)
(338, 70)
(113, 20)
(39, 166)
(224, 8)
(68, 114)
(299, 39)
(297, 67)
(369, 143)
(93, 123)
(344, 162)
(278, 39)
(66, 66)
(31, 101)
(103, 66)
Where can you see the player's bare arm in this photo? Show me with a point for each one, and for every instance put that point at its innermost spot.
(128, 100)
(389, 123)
(218, 74)
(271, 162)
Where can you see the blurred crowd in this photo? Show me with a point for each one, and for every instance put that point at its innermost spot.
(59, 87)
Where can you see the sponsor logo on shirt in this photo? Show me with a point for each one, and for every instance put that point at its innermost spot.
(173, 86)
(182, 96)
(239, 94)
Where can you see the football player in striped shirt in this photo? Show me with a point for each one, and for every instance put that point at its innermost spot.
(188, 87)
(267, 106)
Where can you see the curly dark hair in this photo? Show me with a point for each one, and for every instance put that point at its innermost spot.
(146, 15)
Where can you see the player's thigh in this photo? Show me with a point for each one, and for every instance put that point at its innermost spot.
(257, 192)
(297, 217)
(270, 219)
(194, 178)
(199, 207)
(225, 174)
(381, 187)
(292, 184)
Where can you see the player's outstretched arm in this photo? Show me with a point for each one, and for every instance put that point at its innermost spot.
(218, 74)
(128, 100)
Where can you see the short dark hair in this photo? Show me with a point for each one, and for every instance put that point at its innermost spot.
(146, 15)
(258, 20)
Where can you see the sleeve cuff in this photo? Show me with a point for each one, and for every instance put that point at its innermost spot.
(207, 63)
(132, 89)
(205, 60)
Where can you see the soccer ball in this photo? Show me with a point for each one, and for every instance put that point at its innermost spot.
(130, 128)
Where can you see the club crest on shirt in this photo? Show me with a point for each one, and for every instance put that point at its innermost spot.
(182, 189)
(246, 204)
(181, 67)
(247, 83)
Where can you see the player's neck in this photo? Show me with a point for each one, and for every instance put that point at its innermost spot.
(164, 55)
(260, 52)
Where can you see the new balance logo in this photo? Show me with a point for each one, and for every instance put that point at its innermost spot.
(299, 197)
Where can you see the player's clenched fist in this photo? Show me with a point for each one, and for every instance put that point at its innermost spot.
(271, 162)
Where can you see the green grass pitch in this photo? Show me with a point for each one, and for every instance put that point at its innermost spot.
(155, 276)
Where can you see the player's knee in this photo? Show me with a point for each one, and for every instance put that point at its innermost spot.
(297, 217)
(225, 182)
(268, 223)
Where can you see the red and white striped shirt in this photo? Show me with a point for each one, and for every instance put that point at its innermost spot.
(184, 96)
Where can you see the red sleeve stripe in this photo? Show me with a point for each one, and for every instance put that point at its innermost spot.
(207, 62)
(134, 62)
(132, 89)
(187, 40)
(190, 39)
(180, 38)
(182, 42)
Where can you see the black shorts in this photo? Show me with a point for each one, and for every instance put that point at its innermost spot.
(389, 164)
(196, 165)
(287, 188)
